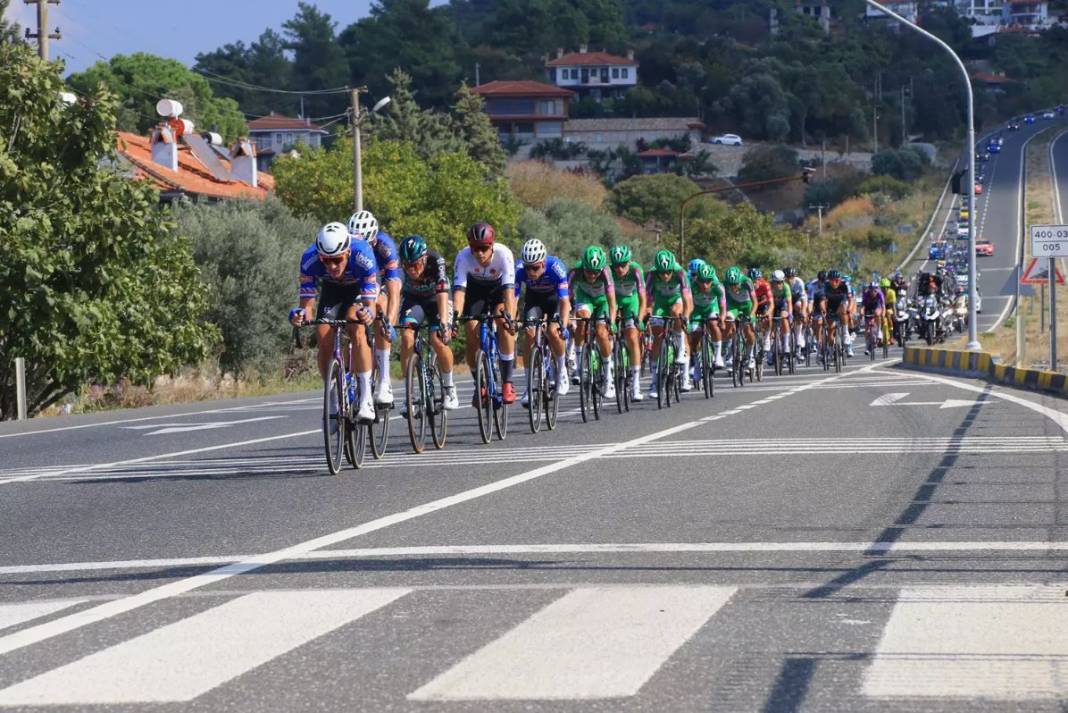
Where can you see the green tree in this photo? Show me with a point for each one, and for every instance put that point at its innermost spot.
(263, 63)
(140, 80)
(472, 125)
(763, 163)
(9, 31)
(403, 120)
(247, 253)
(95, 283)
(318, 59)
(656, 199)
(904, 164)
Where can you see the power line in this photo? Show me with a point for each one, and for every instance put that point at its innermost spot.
(212, 77)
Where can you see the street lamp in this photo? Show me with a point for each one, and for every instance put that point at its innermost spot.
(358, 118)
(973, 288)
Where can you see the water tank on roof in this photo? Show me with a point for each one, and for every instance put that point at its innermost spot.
(170, 108)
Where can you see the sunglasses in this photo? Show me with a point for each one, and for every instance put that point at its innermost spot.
(332, 260)
(591, 274)
(480, 249)
(535, 268)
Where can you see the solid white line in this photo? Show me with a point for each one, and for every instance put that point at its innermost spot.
(592, 643)
(173, 663)
(976, 642)
(20, 612)
(1053, 176)
(1019, 222)
(889, 547)
(36, 634)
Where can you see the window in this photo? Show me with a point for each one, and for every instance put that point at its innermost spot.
(277, 138)
(625, 72)
(615, 72)
(574, 74)
(552, 75)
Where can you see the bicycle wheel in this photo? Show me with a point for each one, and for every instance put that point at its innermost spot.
(500, 409)
(871, 342)
(483, 398)
(778, 354)
(736, 358)
(663, 364)
(416, 401)
(792, 356)
(707, 366)
(551, 401)
(380, 426)
(535, 384)
(757, 372)
(334, 420)
(439, 417)
(620, 375)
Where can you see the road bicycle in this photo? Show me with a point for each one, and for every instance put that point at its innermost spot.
(380, 426)
(489, 398)
(424, 393)
(740, 352)
(647, 349)
(782, 359)
(871, 335)
(541, 378)
(668, 370)
(621, 363)
(592, 372)
(759, 353)
(835, 349)
(342, 434)
(706, 362)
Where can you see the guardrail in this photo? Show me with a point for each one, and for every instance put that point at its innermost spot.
(983, 365)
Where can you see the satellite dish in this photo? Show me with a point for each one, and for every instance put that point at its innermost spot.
(169, 108)
(380, 104)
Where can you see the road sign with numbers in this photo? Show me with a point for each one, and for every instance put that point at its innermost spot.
(1049, 240)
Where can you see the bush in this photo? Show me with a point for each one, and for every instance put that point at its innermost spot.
(834, 190)
(656, 199)
(887, 185)
(248, 254)
(567, 227)
(764, 163)
(558, 149)
(536, 183)
(905, 164)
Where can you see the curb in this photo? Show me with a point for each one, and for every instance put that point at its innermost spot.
(982, 365)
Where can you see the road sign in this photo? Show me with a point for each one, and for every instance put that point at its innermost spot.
(1035, 275)
(1049, 240)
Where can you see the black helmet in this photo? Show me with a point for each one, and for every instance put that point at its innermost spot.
(834, 275)
(821, 275)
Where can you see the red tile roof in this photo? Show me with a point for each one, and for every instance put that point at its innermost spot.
(522, 88)
(653, 153)
(191, 177)
(581, 58)
(279, 122)
(989, 78)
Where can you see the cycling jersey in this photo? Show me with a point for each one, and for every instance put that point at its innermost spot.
(500, 272)
(762, 290)
(711, 301)
(873, 300)
(591, 296)
(815, 291)
(630, 288)
(836, 295)
(551, 281)
(798, 290)
(431, 281)
(385, 251)
(666, 293)
(359, 275)
(782, 298)
(890, 296)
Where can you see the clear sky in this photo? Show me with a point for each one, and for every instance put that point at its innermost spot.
(93, 29)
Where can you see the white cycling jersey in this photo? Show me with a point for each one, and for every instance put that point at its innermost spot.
(799, 289)
(500, 272)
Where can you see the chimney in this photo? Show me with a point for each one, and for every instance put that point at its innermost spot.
(164, 147)
(243, 162)
(630, 55)
(559, 52)
(583, 49)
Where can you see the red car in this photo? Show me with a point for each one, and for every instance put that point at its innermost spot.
(984, 248)
(978, 189)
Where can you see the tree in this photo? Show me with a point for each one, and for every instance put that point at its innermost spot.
(904, 164)
(472, 125)
(645, 199)
(405, 121)
(140, 80)
(318, 60)
(95, 283)
(9, 31)
(263, 63)
(763, 163)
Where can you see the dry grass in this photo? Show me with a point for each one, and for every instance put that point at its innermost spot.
(848, 211)
(535, 183)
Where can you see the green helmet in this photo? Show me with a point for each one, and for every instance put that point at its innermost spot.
(734, 275)
(594, 258)
(885, 282)
(412, 248)
(664, 261)
(706, 273)
(620, 254)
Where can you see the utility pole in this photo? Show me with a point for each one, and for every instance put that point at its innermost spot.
(875, 128)
(819, 208)
(904, 128)
(357, 167)
(42, 35)
(478, 79)
(823, 157)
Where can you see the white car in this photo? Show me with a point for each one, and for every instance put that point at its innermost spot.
(963, 231)
(1048, 115)
(727, 140)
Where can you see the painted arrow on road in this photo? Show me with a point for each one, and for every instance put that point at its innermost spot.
(894, 399)
(162, 428)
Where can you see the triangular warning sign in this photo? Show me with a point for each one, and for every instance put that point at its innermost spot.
(1035, 275)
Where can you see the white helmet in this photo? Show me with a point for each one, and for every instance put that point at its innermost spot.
(363, 226)
(333, 239)
(533, 251)
(778, 276)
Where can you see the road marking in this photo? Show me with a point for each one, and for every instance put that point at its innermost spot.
(174, 664)
(993, 642)
(881, 548)
(1053, 176)
(894, 399)
(163, 428)
(21, 612)
(1019, 221)
(41, 632)
(591, 643)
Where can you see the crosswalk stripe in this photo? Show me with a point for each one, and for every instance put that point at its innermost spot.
(591, 643)
(20, 612)
(174, 664)
(994, 642)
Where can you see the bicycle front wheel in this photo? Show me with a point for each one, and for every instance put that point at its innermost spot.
(415, 401)
(335, 420)
(551, 401)
(585, 365)
(707, 366)
(500, 408)
(535, 384)
(439, 417)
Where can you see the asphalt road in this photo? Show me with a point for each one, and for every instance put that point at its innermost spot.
(879, 540)
(1059, 161)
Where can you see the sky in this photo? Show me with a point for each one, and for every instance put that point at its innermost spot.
(96, 29)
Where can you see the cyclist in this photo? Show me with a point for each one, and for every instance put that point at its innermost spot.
(693, 267)
(425, 300)
(545, 277)
(669, 288)
(629, 282)
(851, 315)
(741, 303)
(763, 304)
(342, 275)
(817, 300)
(484, 283)
(709, 302)
(594, 296)
(873, 305)
(799, 298)
(836, 301)
(364, 227)
(782, 311)
(889, 300)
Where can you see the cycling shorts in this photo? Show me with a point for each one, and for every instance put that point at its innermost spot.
(596, 306)
(701, 315)
(480, 300)
(627, 309)
(783, 306)
(335, 300)
(663, 306)
(539, 304)
(739, 310)
(420, 311)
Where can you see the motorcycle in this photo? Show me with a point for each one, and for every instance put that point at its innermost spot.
(960, 314)
(948, 323)
(902, 313)
(930, 318)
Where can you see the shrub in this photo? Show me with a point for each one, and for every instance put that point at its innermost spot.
(886, 185)
(905, 164)
(763, 163)
(536, 183)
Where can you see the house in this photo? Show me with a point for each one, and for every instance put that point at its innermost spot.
(526, 110)
(908, 9)
(658, 160)
(1030, 15)
(183, 164)
(275, 133)
(818, 10)
(599, 75)
(603, 134)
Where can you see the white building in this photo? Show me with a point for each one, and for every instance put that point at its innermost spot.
(274, 133)
(593, 74)
(908, 9)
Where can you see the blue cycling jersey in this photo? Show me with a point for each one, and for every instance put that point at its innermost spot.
(552, 279)
(359, 272)
(385, 251)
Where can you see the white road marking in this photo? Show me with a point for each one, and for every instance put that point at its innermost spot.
(887, 399)
(591, 643)
(882, 548)
(36, 634)
(991, 642)
(174, 663)
(1019, 209)
(164, 428)
(21, 612)
(894, 399)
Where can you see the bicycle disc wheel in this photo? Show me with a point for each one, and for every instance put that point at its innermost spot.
(483, 399)
(415, 401)
(334, 421)
(500, 409)
(662, 362)
(535, 383)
